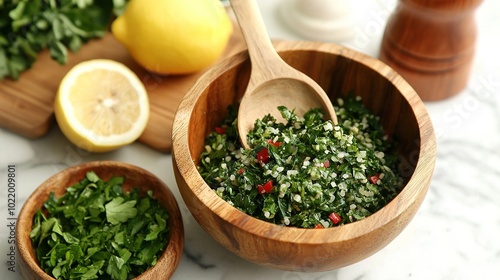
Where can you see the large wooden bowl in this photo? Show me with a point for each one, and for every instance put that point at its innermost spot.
(134, 177)
(339, 71)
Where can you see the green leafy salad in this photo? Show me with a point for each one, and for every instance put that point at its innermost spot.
(96, 231)
(27, 27)
(307, 172)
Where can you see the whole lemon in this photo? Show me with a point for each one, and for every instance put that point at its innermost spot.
(173, 36)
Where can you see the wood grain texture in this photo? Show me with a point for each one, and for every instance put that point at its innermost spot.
(272, 81)
(134, 177)
(432, 45)
(339, 71)
(26, 105)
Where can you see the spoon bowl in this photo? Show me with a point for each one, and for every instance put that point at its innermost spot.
(272, 82)
(269, 95)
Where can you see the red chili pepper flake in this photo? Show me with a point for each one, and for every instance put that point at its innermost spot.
(374, 179)
(220, 130)
(326, 164)
(263, 156)
(319, 226)
(266, 188)
(241, 170)
(276, 144)
(335, 218)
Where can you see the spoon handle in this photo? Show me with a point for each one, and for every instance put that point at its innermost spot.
(260, 47)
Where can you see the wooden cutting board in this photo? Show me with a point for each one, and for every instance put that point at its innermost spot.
(26, 105)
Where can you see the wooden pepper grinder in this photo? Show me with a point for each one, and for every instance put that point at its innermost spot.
(431, 44)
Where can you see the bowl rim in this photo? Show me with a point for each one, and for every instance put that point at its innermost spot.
(172, 252)
(416, 183)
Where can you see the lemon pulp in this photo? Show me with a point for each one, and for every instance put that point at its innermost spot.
(101, 105)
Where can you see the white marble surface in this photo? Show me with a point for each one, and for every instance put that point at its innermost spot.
(455, 234)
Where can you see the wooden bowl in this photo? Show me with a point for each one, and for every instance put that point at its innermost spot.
(134, 177)
(339, 71)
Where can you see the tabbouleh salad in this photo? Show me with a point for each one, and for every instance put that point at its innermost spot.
(307, 172)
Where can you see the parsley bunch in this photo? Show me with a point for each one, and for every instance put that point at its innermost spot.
(306, 172)
(29, 26)
(95, 231)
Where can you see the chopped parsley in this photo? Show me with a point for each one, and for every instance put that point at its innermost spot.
(96, 231)
(307, 172)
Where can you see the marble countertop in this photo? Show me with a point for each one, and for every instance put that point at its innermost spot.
(455, 234)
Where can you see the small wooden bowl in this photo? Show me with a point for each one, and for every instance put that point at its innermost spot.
(134, 177)
(339, 71)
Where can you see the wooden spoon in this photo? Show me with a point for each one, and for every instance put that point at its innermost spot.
(272, 82)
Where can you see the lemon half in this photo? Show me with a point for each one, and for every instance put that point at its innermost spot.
(101, 105)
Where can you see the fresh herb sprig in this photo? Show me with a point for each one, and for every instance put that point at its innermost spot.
(96, 231)
(29, 26)
(306, 172)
